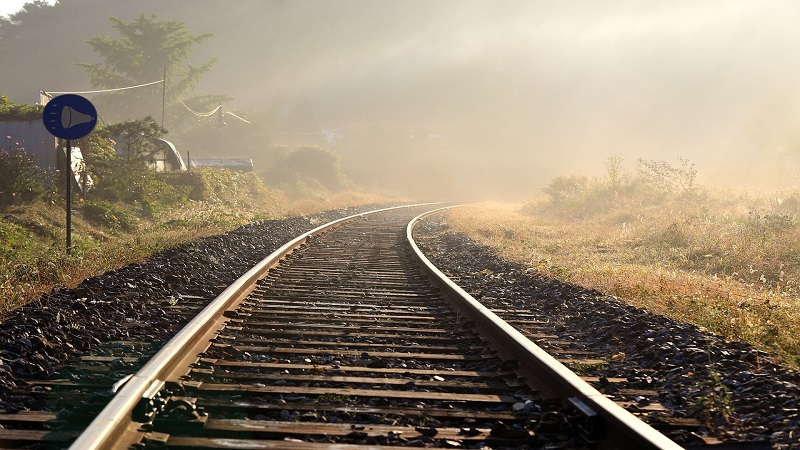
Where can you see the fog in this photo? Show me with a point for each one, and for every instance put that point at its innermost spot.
(527, 90)
(498, 97)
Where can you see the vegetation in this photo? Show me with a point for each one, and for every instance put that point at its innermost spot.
(148, 48)
(308, 169)
(21, 178)
(136, 137)
(110, 234)
(11, 111)
(727, 262)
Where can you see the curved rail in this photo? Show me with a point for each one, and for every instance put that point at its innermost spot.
(110, 425)
(556, 378)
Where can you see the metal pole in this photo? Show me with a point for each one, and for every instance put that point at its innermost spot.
(163, 96)
(68, 172)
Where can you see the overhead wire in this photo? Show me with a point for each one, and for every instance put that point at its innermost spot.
(198, 114)
(49, 93)
(234, 115)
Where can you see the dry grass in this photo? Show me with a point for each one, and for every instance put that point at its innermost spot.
(711, 263)
(337, 200)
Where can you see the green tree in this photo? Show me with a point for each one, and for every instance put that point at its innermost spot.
(136, 138)
(307, 169)
(146, 48)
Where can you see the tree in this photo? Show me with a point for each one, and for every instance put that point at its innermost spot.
(148, 47)
(136, 137)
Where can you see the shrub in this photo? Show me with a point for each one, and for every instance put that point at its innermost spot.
(8, 110)
(579, 196)
(309, 167)
(667, 177)
(104, 213)
(21, 179)
(215, 185)
(139, 186)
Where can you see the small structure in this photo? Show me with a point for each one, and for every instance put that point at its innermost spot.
(166, 158)
(240, 164)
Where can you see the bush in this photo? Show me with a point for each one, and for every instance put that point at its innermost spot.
(215, 185)
(141, 187)
(8, 110)
(106, 214)
(309, 168)
(579, 196)
(21, 179)
(667, 177)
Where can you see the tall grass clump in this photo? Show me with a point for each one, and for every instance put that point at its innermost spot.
(726, 261)
(581, 196)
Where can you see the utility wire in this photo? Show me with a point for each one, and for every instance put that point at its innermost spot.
(198, 114)
(50, 94)
(214, 111)
(234, 115)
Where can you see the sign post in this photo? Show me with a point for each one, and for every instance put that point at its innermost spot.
(69, 117)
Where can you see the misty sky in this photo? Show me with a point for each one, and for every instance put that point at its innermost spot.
(515, 91)
(535, 82)
(11, 6)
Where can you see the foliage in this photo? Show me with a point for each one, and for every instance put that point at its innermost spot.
(308, 168)
(106, 214)
(136, 138)
(9, 110)
(667, 177)
(12, 236)
(21, 179)
(139, 186)
(99, 155)
(615, 170)
(147, 48)
(716, 399)
(580, 196)
(214, 185)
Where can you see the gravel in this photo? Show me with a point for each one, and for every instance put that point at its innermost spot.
(130, 304)
(741, 394)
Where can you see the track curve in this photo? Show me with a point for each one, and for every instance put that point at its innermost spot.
(343, 341)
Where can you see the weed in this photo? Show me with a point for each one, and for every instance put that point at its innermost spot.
(320, 370)
(588, 366)
(330, 397)
(717, 400)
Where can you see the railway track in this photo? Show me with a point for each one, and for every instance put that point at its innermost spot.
(341, 339)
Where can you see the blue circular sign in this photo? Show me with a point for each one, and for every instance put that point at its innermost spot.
(69, 116)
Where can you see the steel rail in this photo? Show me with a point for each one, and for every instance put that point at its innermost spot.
(108, 428)
(621, 427)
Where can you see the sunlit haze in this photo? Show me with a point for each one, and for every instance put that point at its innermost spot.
(501, 96)
(11, 6)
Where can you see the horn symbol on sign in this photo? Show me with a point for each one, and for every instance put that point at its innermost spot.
(71, 117)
